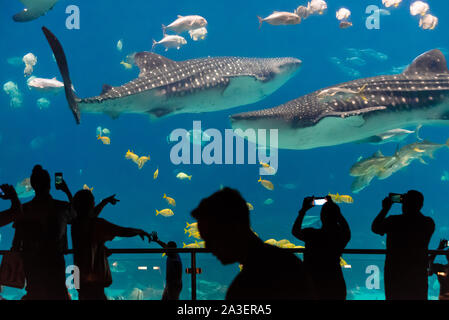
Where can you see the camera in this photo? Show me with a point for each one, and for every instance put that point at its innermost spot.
(446, 243)
(319, 201)
(396, 197)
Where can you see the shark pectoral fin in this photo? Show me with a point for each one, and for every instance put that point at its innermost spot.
(113, 114)
(352, 118)
(148, 61)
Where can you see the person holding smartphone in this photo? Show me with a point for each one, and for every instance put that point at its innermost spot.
(324, 247)
(7, 192)
(408, 237)
(441, 270)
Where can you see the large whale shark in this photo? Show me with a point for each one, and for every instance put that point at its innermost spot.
(359, 109)
(166, 87)
(34, 9)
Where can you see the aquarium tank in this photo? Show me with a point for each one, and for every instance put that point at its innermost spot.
(166, 102)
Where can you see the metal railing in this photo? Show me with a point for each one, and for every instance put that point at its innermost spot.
(194, 251)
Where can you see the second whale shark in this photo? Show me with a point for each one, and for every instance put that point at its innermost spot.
(360, 109)
(166, 87)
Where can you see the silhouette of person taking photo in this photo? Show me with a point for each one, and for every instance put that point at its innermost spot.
(323, 249)
(173, 274)
(268, 272)
(408, 236)
(441, 270)
(89, 234)
(41, 237)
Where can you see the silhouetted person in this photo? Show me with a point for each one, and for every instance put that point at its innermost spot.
(268, 272)
(89, 234)
(173, 274)
(323, 249)
(408, 236)
(41, 237)
(442, 272)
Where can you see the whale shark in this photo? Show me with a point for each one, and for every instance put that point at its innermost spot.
(166, 87)
(359, 109)
(34, 9)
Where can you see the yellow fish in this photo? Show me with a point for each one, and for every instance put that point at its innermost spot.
(250, 206)
(170, 201)
(85, 187)
(126, 65)
(195, 245)
(343, 263)
(265, 165)
(183, 176)
(142, 160)
(337, 198)
(156, 174)
(105, 140)
(131, 155)
(196, 235)
(192, 225)
(267, 184)
(165, 213)
(418, 150)
(271, 241)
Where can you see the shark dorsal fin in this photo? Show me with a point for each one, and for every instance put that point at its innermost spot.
(106, 89)
(430, 62)
(147, 61)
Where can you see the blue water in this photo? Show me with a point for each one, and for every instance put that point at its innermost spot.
(62, 146)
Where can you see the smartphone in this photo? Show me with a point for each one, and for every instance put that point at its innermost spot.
(446, 244)
(319, 201)
(396, 197)
(58, 178)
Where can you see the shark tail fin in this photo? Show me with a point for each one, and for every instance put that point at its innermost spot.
(61, 60)
(260, 21)
(154, 44)
(164, 30)
(418, 128)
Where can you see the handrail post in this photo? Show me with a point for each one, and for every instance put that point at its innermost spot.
(193, 258)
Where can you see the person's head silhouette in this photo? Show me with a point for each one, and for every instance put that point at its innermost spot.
(172, 244)
(223, 223)
(84, 203)
(40, 181)
(329, 215)
(412, 202)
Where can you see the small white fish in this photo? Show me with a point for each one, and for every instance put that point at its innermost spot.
(343, 14)
(419, 8)
(280, 18)
(391, 3)
(120, 45)
(183, 24)
(170, 42)
(316, 6)
(198, 34)
(428, 22)
(30, 61)
(45, 85)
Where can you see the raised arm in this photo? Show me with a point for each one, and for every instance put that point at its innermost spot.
(112, 200)
(297, 226)
(342, 223)
(64, 188)
(378, 225)
(156, 239)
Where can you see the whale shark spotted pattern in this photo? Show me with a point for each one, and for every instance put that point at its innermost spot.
(166, 87)
(360, 109)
